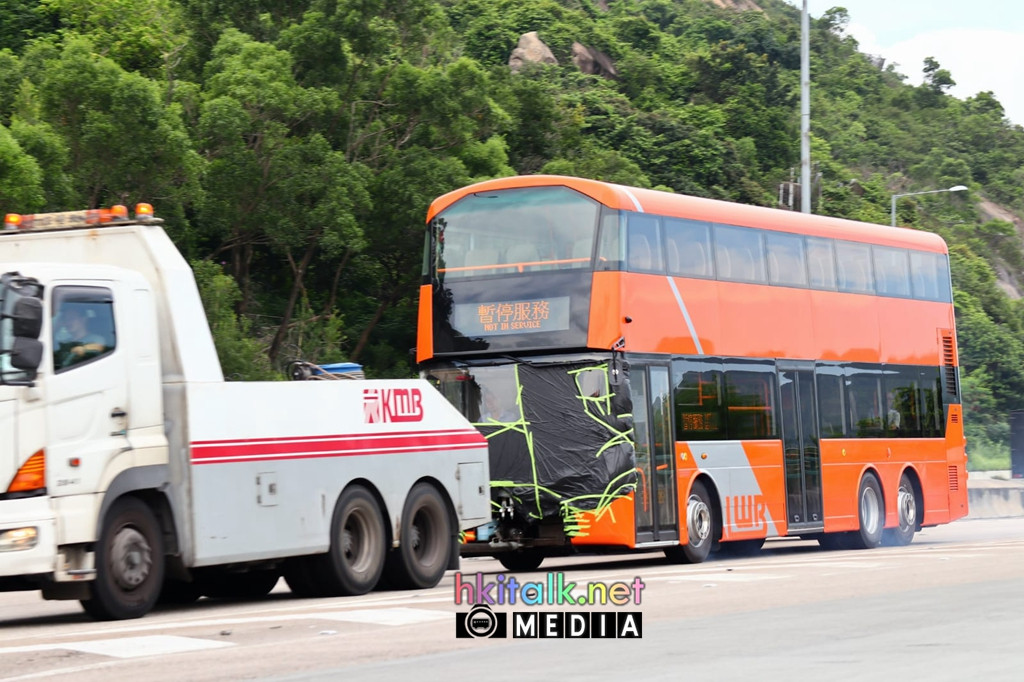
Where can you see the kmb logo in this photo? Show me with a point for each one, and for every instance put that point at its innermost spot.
(392, 405)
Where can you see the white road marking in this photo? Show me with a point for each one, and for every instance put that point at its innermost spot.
(730, 577)
(399, 616)
(127, 647)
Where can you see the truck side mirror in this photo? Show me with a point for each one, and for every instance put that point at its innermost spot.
(26, 354)
(21, 321)
(27, 318)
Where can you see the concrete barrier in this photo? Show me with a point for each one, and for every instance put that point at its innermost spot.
(993, 494)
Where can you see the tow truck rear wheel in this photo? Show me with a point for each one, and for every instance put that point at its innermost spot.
(425, 541)
(129, 563)
(358, 545)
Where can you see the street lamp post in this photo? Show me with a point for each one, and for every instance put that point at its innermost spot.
(954, 188)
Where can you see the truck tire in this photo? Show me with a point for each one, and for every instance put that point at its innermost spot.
(129, 563)
(426, 539)
(358, 546)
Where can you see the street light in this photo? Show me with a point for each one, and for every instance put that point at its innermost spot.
(954, 188)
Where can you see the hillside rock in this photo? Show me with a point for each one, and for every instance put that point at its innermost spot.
(530, 49)
(739, 5)
(594, 62)
(1005, 279)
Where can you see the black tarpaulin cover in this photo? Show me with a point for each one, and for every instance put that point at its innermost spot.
(571, 449)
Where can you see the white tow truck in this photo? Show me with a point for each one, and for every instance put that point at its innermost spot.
(130, 471)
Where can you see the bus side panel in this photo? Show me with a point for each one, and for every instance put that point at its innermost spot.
(605, 325)
(425, 324)
(842, 463)
(613, 526)
(909, 330)
(956, 465)
(749, 479)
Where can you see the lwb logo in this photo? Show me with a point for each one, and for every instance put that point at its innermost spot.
(392, 405)
(745, 513)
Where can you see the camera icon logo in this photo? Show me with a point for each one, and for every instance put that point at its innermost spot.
(480, 622)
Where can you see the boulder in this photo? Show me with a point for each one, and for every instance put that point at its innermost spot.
(595, 62)
(530, 49)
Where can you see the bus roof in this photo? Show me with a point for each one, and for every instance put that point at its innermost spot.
(711, 210)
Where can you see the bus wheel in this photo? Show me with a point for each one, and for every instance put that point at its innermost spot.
(129, 563)
(358, 545)
(522, 561)
(871, 512)
(700, 524)
(425, 541)
(906, 511)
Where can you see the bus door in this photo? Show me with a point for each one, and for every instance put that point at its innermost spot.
(656, 504)
(798, 407)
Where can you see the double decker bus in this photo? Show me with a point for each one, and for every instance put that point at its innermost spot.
(654, 370)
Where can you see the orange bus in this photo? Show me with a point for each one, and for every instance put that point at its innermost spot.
(655, 370)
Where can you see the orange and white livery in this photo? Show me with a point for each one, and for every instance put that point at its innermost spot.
(787, 374)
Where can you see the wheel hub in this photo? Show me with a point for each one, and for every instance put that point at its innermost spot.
(131, 558)
(698, 520)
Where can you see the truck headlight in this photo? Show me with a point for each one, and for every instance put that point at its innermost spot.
(18, 539)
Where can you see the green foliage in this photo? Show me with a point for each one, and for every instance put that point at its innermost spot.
(20, 176)
(241, 356)
(301, 142)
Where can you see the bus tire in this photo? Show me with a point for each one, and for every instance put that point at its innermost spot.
(907, 515)
(700, 526)
(425, 541)
(358, 545)
(522, 561)
(871, 514)
(129, 563)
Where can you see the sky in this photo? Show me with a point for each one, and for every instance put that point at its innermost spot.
(978, 42)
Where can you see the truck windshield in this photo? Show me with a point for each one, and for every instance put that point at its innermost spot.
(514, 231)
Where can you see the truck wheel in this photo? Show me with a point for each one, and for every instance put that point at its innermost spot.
(426, 541)
(871, 512)
(700, 526)
(358, 545)
(129, 563)
(906, 512)
(522, 561)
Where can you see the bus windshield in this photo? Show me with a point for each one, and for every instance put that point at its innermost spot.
(513, 231)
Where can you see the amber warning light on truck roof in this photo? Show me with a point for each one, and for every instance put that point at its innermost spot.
(67, 220)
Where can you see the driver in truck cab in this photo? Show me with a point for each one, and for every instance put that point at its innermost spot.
(75, 340)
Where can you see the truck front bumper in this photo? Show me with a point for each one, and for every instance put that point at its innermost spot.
(28, 535)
